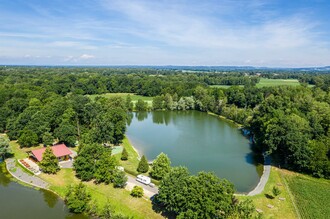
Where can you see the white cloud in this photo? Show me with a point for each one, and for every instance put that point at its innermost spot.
(86, 56)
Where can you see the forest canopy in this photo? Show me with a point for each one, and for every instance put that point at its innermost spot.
(47, 104)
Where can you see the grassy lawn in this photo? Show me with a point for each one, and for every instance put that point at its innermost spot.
(265, 82)
(134, 97)
(311, 195)
(281, 209)
(21, 153)
(131, 164)
(120, 199)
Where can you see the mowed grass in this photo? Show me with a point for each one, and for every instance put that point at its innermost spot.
(265, 82)
(21, 153)
(131, 164)
(120, 199)
(281, 209)
(134, 97)
(311, 195)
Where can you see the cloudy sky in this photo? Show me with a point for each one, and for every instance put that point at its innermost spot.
(273, 33)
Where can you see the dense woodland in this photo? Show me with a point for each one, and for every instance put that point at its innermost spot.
(38, 105)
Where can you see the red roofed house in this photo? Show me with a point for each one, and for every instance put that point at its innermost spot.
(61, 151)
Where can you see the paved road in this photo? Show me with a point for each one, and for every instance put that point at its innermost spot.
(264, 178)
(148, 190)
(19, 174)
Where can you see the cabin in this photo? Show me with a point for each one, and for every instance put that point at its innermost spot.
(61, 151)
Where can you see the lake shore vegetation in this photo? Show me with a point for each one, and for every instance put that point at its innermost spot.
(73, 106)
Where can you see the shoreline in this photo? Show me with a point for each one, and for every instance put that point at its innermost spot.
(256, 190)
(136, 150)
(29, 184)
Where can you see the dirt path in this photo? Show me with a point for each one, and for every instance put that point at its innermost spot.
(20, 175)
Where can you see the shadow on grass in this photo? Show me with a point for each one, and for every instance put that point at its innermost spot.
(269, 196)
(160, 209)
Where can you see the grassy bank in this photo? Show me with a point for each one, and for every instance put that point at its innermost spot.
(119, 199)
(311, 195)
(226, 119)
(280, 209)
(131, 164)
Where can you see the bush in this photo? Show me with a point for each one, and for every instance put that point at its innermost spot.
(137, 191)
(276, 191)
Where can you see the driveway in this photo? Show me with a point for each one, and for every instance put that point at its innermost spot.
(148, 190)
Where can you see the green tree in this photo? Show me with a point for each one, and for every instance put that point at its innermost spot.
(105, 167)
(276, 191)
(119, 179)
(160, 166)
(168, 102)
(28, 138)
(157, 103)
(47, 138)
(4, 146)
(141, 105)
(137, 191)
(77, 198)
(129, 103)
(49, 162)
(143, 166)
(124, 154)
(204, 195)
(85, 163)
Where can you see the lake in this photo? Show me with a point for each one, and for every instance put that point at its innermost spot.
(19, 201)
(198, 141)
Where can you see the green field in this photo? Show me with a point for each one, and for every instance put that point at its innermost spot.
(311, 195)
(264, 82)
(134, 97)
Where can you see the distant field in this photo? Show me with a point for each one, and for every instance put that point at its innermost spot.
(311, 195)
(264, 82)
(134, 97)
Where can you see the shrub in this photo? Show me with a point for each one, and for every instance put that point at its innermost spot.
(137, 191)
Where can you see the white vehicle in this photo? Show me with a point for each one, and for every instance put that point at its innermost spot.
(143, 179)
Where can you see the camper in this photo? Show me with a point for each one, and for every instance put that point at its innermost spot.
(143, 179)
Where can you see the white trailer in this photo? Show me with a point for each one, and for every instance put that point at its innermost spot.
(143, 179)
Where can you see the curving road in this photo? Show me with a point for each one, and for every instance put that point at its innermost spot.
(264, 178)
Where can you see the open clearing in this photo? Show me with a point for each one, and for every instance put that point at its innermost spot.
(265, 82)
(134, 97)
(311, 195)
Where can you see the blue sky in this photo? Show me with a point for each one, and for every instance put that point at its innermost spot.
(273, 33)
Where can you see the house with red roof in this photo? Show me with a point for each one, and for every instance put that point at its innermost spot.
(61, 151)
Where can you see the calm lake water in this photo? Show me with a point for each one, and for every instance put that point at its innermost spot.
(17, 201)
(197, 140)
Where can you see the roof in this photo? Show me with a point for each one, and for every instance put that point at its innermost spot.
(58, 150)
